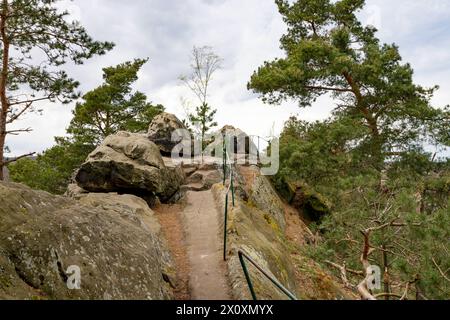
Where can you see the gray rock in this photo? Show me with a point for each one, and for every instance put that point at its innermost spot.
(238, 142)
(114, 241)
(129, 163)
(261, 193)
(161, 129)
(74, 191)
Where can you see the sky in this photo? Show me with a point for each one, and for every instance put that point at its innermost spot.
(245, 33)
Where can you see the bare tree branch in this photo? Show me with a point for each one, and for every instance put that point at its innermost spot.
(9, 161)
(343, 269)
(328, 88)
(367, 251)
(440, 270)
(14, 117)
(16, 132)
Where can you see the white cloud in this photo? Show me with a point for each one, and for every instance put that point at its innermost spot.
(245, 33)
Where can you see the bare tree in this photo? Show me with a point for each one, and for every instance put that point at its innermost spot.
(204, 64)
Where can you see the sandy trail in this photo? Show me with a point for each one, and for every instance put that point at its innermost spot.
(207, 278)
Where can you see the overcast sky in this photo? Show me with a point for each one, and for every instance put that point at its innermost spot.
(244, 33)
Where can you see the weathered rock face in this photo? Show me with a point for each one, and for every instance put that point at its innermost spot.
(261, 194)
(238, 142)
(261, 224)
(313, 205)
(129, 163)
(161, 129)
(114, 240)
(253, 230)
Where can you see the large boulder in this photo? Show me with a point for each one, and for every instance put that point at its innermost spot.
(161, 129)
(113, 240)
(129, 163)
(238, 142)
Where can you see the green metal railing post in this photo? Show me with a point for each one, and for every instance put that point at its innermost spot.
(232, 188)
(247, 276)
(225, 229)
(243, 255)
(224, 159)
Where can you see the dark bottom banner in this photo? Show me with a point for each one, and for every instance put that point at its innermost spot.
(218, 309)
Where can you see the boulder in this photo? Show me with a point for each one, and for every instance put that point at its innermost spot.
(238, 141)
(202, 180)
(129, 163)
(161, 129)
(112, 242)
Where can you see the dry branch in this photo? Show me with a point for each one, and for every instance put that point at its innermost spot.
(18, 158)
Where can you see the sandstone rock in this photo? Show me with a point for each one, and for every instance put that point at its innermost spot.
(261, 193)
(257, 233)
(204, 179)
(161, 130)
(310, 203)
(238, 142)
(74, 191)
(114, 241)
(129, 163)
(256, 226)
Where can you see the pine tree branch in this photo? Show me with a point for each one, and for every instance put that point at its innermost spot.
(4, 163)
(32, 100)
(16, 132)
(328, 88)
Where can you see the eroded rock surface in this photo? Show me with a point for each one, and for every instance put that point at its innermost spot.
(113, 239)
(161, 129)
(129, 163)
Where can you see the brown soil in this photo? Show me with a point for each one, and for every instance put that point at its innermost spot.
(296, 229)
(315, 283)
(169, 217)
(208, 279)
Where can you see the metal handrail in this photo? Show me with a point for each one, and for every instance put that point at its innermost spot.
(227, 162)
(243, 255)
(230, 188)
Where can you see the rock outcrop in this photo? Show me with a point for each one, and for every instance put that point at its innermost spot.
(129, 163)
(311, 205)
(239, 143)
(160, 132)
(112, 240)
(258, 224)
(105, 229)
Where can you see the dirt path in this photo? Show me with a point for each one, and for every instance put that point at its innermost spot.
(208, 271)
(170, 218)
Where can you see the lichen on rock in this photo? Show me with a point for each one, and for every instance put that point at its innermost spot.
(113, 239)
(129, 163)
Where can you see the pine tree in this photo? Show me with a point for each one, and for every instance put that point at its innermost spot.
(328, 51)
(113, 106)
(27, 27)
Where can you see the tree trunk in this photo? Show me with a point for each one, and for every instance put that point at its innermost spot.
(2, 145)
(3, 84)
(387, 288)
(377, 146)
